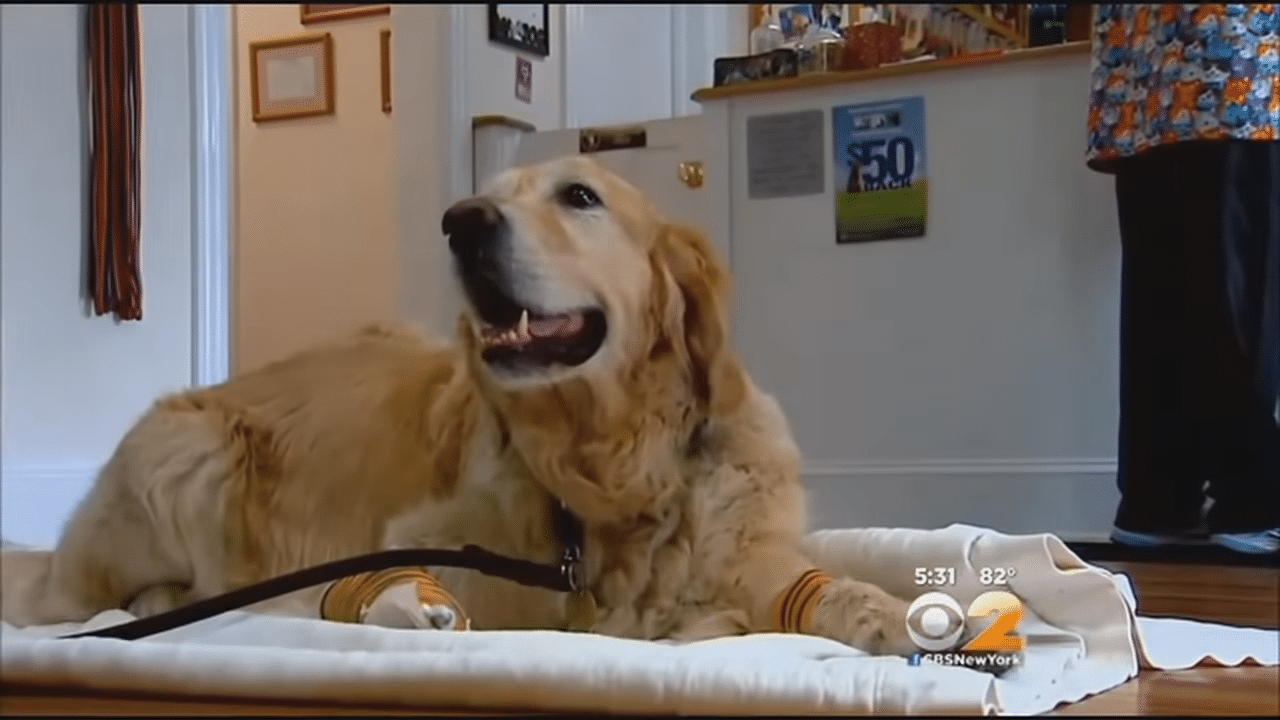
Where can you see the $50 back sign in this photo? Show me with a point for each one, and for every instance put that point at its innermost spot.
(881, 187)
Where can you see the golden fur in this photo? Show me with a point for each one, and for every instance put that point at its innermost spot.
(684, 473)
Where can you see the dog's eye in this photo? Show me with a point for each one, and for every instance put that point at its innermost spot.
(579, 196)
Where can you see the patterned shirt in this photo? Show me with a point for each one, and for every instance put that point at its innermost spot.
(1166, 73)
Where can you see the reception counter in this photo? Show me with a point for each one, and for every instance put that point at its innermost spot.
(968, 374)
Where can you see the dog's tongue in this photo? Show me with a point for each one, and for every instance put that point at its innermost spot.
(556, 325)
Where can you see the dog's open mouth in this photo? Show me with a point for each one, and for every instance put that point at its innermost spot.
(535, 340)
(539, 340)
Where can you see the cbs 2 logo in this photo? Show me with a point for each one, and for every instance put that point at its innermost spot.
(935, 622)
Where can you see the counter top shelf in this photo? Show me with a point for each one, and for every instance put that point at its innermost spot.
(817, 80)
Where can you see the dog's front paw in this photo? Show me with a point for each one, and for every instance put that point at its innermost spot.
(863, 616)
(399, 607)
(158, 599)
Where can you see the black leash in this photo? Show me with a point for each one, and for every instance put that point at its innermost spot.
(565, 577)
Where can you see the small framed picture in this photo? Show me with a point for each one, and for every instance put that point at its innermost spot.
(524, 80)
(773, 65)
(291, 77)
(523, 27)
(385, 45)
(325, 13)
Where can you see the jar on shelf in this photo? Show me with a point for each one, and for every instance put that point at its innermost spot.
(803, 45)
(870, 45)
(828, 51)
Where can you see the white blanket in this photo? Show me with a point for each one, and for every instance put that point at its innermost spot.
(1083, 638)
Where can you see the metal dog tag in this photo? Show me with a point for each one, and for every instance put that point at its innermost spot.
(581, 606)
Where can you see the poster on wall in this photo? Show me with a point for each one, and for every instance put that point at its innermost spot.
(785, 154)
(881, 188)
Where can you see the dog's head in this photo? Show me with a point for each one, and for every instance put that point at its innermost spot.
(571, 273)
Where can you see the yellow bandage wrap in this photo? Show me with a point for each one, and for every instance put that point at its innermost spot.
(346, 600)
(793, 609)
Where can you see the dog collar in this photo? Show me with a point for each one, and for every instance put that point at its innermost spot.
(570, 534)
(569, 529)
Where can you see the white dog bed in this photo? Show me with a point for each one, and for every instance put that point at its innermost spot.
(1083, 638)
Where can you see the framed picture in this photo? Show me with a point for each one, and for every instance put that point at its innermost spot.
(773, 65)
(524, 80)
(523, 27)
(386, 69)
(795, 21)
(325, 13)
(291, 77)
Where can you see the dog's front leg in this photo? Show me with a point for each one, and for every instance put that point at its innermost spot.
(408, 598)
(786, 593)
(399, 603)
(400, 606)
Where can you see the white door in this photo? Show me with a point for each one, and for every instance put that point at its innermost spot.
(618, 62)
(627, 63)
(654, 168)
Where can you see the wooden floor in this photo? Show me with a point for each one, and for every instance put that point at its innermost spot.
(1245, 596)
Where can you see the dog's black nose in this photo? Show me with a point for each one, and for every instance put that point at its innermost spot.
(471, 224)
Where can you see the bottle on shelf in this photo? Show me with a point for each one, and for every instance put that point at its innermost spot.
(767, 35)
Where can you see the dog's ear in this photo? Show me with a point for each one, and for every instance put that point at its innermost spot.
(705, 287)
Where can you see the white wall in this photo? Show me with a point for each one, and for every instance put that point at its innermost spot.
(609, 64)
(491, 72)
(71, 383)
(619, 64)
(628, 63)
(968, 376)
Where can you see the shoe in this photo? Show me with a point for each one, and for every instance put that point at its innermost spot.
(1134, 538)
(1265, 542)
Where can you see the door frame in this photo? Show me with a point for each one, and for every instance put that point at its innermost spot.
(457, 168)
(213, 148)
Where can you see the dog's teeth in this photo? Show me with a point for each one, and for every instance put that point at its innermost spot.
(522, 329)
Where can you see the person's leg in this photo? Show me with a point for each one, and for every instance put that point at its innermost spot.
(1239, 437)
(1251, 251)
(1160, 486)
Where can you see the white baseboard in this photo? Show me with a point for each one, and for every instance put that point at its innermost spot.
(993, 466)
(35, 502)
(1074, 498)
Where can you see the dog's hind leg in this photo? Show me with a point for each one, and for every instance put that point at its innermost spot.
(23, 577)
(82, 576)
(146, 522)
(108, 553)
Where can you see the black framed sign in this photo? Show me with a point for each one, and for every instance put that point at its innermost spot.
(523, 27)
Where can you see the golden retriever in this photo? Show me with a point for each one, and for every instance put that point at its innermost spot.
(593, 366)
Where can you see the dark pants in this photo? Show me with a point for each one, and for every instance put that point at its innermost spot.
(1194, 349)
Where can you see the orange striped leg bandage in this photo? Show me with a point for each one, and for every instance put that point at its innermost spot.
(347, 599)
(793, 608)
